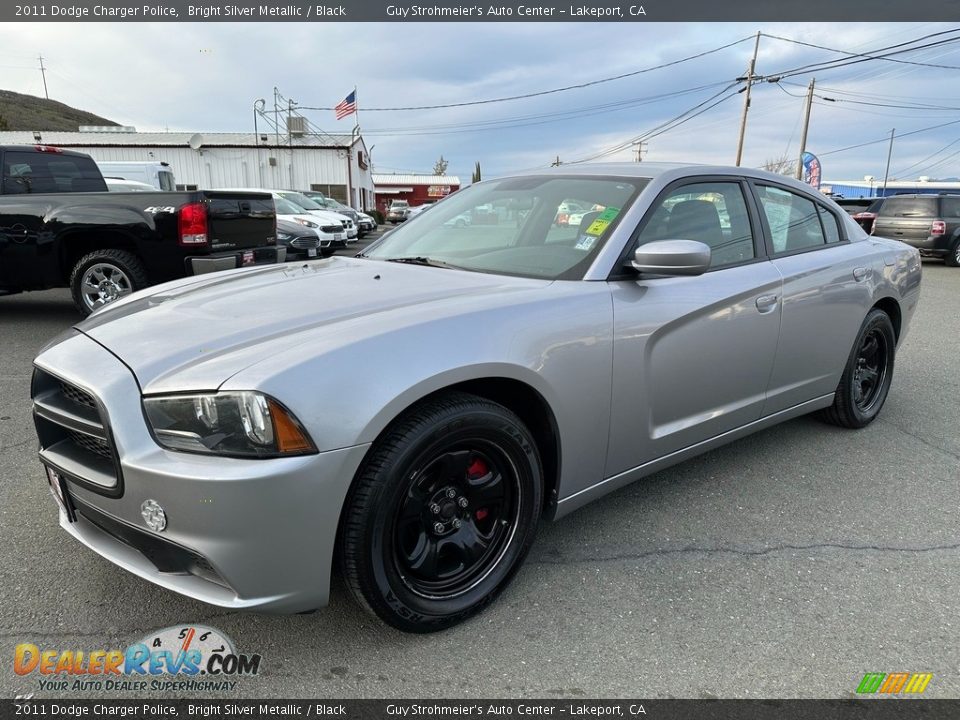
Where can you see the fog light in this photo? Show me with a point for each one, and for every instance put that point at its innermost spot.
(153, 515)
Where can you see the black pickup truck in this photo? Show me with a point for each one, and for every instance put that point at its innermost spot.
(59, 227)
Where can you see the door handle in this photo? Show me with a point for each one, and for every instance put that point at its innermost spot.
(859, 274)
(766, 303)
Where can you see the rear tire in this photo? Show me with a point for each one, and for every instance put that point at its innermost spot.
(104, 276)
(866, 378)
(442, 513)
(952, 258)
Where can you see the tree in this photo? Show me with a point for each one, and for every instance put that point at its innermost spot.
(475, 178)
(440, 166)
(782, 165)
(5, 126)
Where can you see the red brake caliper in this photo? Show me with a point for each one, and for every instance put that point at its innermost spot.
(478, 468)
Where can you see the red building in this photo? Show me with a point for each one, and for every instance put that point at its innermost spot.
(415, 189)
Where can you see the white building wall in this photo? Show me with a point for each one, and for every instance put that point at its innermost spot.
(213, 167)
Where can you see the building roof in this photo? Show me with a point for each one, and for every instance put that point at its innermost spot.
(171, 139)
(380, 179)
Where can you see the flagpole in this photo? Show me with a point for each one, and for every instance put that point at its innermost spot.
(356, 108)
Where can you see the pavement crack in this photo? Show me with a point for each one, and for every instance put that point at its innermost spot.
(921, 439)
(4, 448)
(559, 559)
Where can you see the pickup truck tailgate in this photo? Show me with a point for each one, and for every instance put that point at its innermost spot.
(240, 220)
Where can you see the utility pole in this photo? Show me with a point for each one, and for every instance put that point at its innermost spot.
(556, 163)
(43, 71)
(886, 174)
(806, 127)
(746, 99)
(641, 148)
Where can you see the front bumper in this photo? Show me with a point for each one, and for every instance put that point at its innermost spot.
(242, 534)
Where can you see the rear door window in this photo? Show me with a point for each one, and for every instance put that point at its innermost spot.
(50, 172)
(792, 219)
(830, 227)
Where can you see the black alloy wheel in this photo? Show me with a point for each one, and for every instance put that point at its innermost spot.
(442, 512)
(869, 375)
(865, 382)
(458, 515)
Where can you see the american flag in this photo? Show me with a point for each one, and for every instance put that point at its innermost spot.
(347, 106)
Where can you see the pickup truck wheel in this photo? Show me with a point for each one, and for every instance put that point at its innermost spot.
(866, 379)
(103, 276)
(442, 513)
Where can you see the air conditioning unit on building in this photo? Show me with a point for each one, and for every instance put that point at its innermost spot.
(297, 126)
(272, 162)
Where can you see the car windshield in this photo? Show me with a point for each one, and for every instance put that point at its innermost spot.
(516, 226)
(285, 207)
(301, 200)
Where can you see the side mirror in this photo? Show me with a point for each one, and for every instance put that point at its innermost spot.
(672, 257)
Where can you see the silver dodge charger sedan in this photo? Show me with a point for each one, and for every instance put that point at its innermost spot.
(412, 413)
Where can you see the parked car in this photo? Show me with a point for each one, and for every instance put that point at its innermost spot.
(303, 241)
(930, 223)
(366, 223)
(397, 214)
(59, 227)
(301, 200)
(512, 372)
(303, 236)
(121, 185)
(862, 210)
(336, 206)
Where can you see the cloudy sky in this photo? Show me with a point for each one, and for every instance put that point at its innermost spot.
(206, 77)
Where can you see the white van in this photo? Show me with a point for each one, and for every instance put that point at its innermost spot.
(156, 174)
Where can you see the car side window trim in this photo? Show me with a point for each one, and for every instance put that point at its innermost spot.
(755, 184)
(759, 246)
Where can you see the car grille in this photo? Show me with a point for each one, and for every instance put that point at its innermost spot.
(305, 243)
(331, 229)
(74, 434)
(78, 396)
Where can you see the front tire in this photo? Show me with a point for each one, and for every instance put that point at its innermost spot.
(104, 276)
(442, 513)
(866, 378)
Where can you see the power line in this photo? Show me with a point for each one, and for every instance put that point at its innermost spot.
(547, 92)
(670, 124)
(867, 56)
(532, 120)
(887, 138)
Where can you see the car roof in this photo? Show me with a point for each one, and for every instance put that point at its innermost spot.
(653, 170)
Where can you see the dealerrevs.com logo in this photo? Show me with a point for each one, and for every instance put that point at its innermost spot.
(182, 657)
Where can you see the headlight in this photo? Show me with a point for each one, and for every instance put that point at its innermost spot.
(237, 424)
(306, 223)
(284, 236)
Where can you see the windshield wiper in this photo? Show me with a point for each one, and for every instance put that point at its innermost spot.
(421, 260)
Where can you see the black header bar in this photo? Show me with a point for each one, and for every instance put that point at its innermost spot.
(466, 11)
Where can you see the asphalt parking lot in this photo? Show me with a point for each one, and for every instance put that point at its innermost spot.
(787, 564)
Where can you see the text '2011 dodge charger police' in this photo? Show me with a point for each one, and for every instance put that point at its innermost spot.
(512, 368)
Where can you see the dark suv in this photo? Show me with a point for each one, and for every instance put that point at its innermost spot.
(931, 223)
(863, 210)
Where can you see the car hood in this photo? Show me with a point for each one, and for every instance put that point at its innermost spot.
(194, 334)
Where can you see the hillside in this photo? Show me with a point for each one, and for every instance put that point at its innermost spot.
(26, 112)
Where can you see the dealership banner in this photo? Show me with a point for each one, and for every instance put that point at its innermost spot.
(466, 11)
